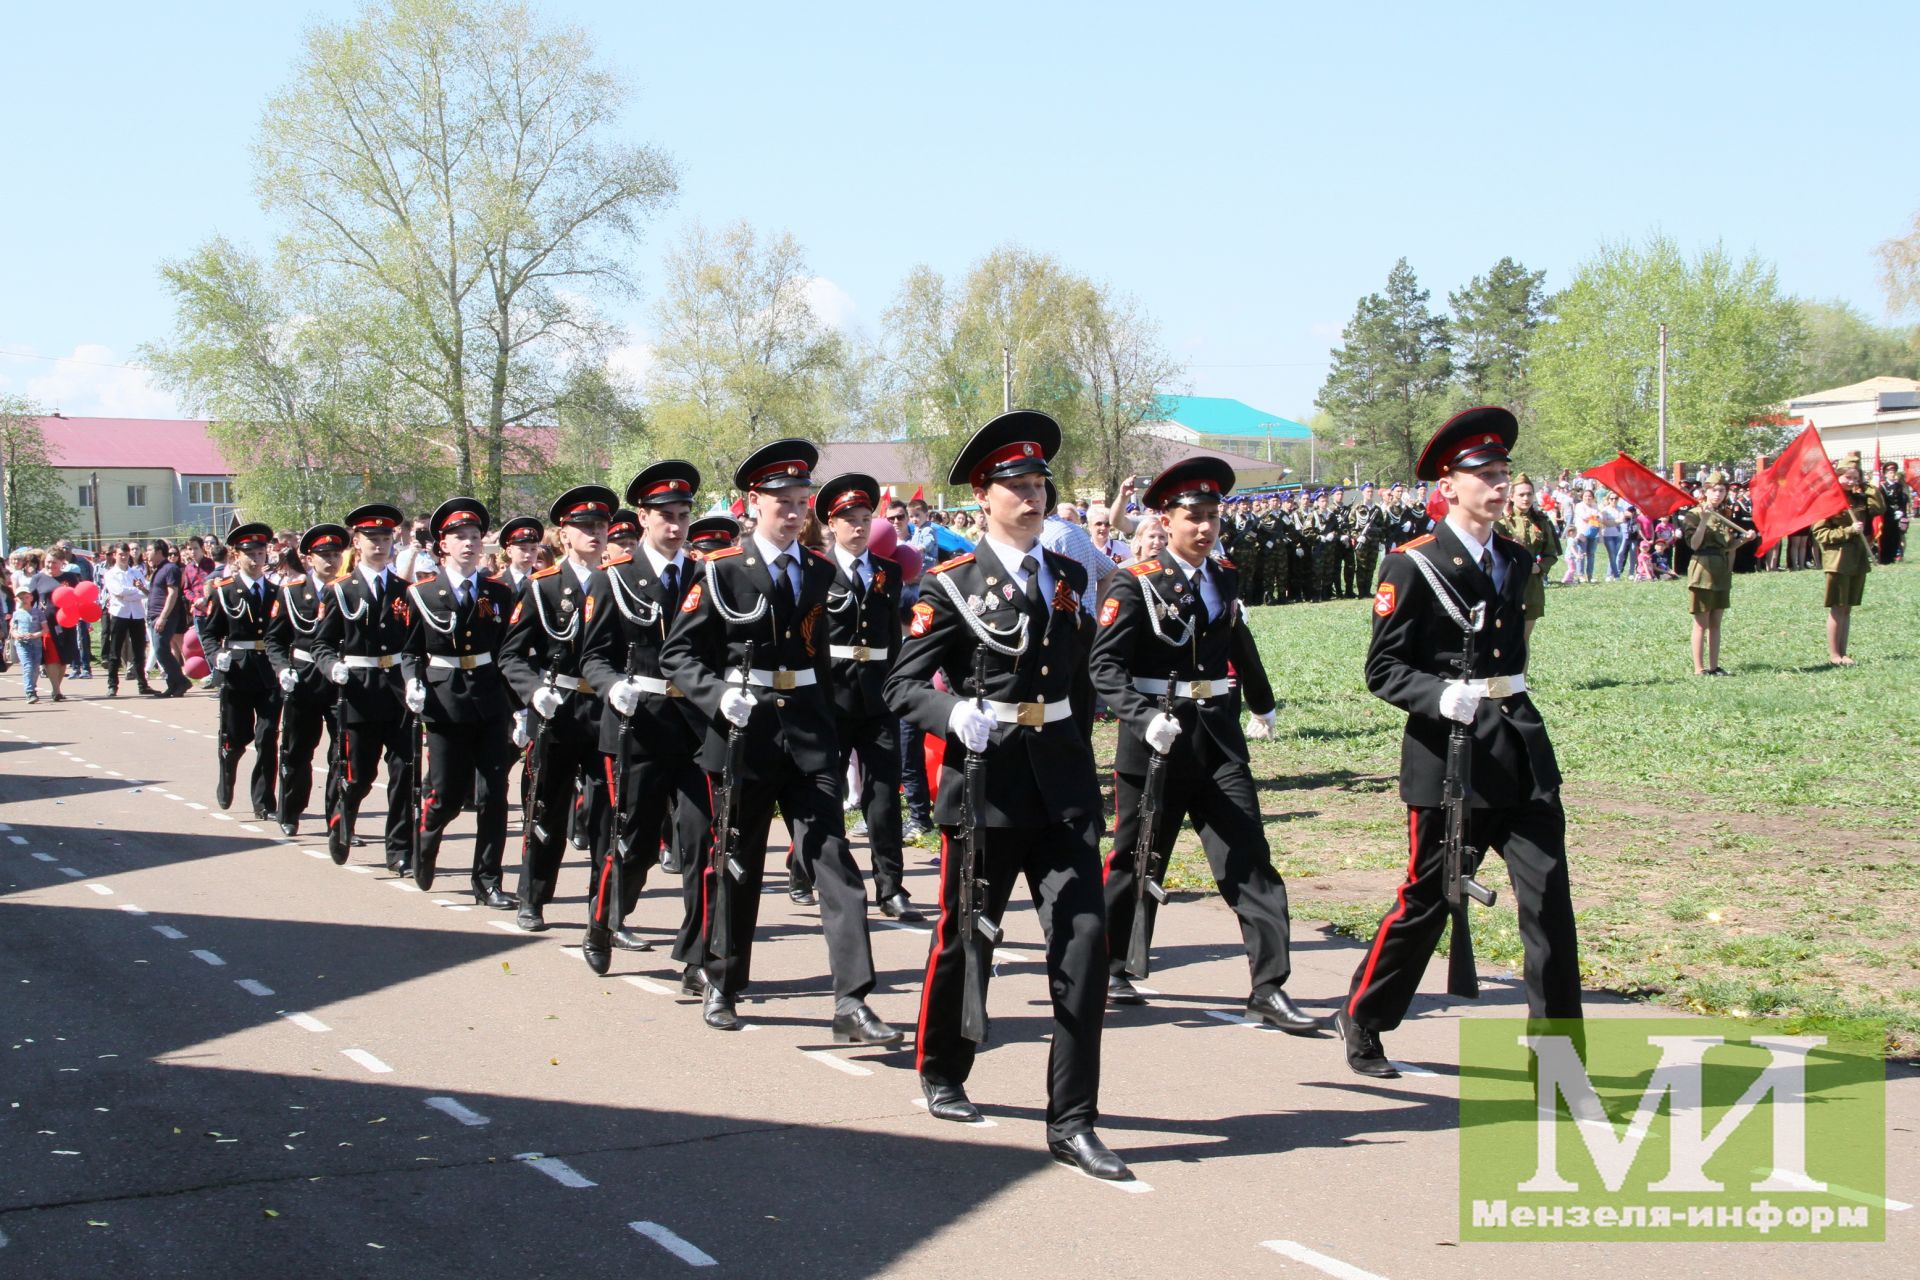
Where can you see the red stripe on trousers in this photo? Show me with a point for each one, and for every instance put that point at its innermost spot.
(933, 958)
(1399, 909)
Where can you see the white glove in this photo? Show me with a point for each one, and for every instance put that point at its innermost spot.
(288, 680)
(737, 706)
(520, 735)
(625, 696)
(337, 673)
(546, 701)
(416, 697)
(1161, 731)
(971, 725)
(1459, 701)
(222, 660)
(1261, 726)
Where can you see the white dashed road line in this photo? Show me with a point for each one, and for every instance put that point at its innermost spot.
(168, 931)
(368, 1061)
(16, 839)
(465, 1115)
(74, 872)
(1317, 1260)
(253, 987)
(1845, 1193)
(101, 889)
(838, 1064)
(42, 857)
(209, 957)
(559, 1170)
(132, 910)
(646, 984)
(674, 1244)
(307, 1022)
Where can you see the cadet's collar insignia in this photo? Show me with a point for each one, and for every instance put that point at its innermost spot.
(992, 581)
(1179, 588)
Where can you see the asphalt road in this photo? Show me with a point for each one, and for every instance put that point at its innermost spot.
(220, 1049)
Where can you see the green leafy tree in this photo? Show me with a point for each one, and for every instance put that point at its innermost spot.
(1388, 385)
(1113, 348)
(35, 507)
(1844, 347)
(1494, 321)
(1733, 342)
(455, 174)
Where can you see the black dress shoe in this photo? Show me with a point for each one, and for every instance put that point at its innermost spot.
(494, 898)
(628, 940)
(1365, 1054)
(1122, 991)
(1277, 1009)
(718, 1012)
(289, 828)
(1086, 1152)
(802, 895)
(148, 691)
(357, 842)
(262, 815)
(222, 790)
(694, 982)
(949, 1102)
(595, 951)
(863, 1026)
(901, 908)
(530, 919)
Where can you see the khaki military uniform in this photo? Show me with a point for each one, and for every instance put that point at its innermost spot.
(1710, 564)
(1845, 554)
(1535, 532)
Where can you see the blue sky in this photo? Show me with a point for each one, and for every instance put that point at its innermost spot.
(1247, 170)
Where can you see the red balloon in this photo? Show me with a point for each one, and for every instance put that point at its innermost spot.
(64, 597)
(882, 540)
(909, 557)
(196, 668)
(65, 617)
(87, 591)
(90, 609)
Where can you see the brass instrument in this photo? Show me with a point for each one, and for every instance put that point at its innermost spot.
(1725, 525)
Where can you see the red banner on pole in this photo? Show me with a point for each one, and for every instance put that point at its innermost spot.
(1800, 489)
(1912, 467)
(1641, 485)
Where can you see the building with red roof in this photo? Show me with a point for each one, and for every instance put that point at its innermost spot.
(128, 478)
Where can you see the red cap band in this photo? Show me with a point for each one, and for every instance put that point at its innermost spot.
(669, 486)
(1003, 455)
(851, 498)
(459, 519)
(590, 508)
(322, 542)
(792, 467)
(377, 522)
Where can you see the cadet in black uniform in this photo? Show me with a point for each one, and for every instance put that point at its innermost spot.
(1422, 612)
(1008, 618)
(863, 639)
(749, 647)
(1178, 617)
(623, 531)
(712, 533)
(520, 540)
(540, 657)
(364, 621)
(309, 696)
(233, 632)
(662, 787)
(455, 686)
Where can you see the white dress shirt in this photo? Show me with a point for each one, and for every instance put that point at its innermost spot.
(1207, 588)
(1477, 550)
(770, 553)
(1010, 558)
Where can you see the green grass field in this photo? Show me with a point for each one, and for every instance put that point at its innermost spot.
(1743, 845)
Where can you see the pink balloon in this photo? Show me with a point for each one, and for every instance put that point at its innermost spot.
(65, 617)
(195, 667)
(882, 540)
(909, 557)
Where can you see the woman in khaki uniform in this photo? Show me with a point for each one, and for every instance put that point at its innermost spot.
(1528, 525)
(1711, 537)
(1846, 554)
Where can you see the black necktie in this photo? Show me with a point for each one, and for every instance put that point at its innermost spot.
(1031, 567)
(466, 594)
(859, 578)
(1486, 563)
(260, 596)
(671, 577)
(1197, 603)
(782, 582)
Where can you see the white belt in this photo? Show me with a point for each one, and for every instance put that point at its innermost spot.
(566, 684)
(301, 655)
(458, 662)
(781, 679)
(1031, 714)
(1499, 686)
(380, 660)
(1198, 690)
(240, 646)
(655, 685)
(857, 652)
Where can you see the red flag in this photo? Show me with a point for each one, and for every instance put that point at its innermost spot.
(1912, 468)
(919, 493)
(1436, 506)
(1798, 490)
(739, 507)
(1641, 485)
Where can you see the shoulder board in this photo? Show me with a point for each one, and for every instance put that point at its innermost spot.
(1144, 568)
(294, 581)
(1224, 563)
(724, 552)
(339, 581)
(547, 572)
(694, 554)
(1420, 541)
(954, 563)
(422, 578)
(622, 558)
(822, 557)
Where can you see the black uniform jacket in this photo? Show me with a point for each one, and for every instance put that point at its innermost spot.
(233, 614)
(1136, 637)
(624, 639)
(354, 621)
(1036, 774)
(869, 619)
(291, 628)
(546, 632)
(459, 695)
(729, 621)
(1416, 646)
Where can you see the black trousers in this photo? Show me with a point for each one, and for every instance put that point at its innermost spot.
(1532, 837)
(251, 716)
(473, 756)
(875, 743)
(124, 638)
(367, 742)
(554, 784)
(1061, 863)
(1226, 812)
(305, 714)
(810, 803)
(660, 797)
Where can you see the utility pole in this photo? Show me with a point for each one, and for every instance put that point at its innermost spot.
(1006, 379)
(93, 478)
(1663, 402)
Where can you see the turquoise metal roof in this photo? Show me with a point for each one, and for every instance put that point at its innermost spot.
(1219, 416)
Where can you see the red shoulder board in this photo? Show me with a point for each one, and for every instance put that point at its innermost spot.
(724, 552)
(1145, 567)
(954, 563)
(295, 581)
(419, 578)
(622, 558)
(548, 572)
(1420, 541)
(820, 556)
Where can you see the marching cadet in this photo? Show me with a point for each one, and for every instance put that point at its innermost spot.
(234, 630)
(540, 657)
(649, 733)
(1846, 554)
(520, 540)
(749, 647)
(1369, 531)
(454, 685)
(364, 621)
(1528, 525)
(309, 697)
(623, 532)
(863, 639)
(712, 533)
(1178, 617)
(1005, 622)
(1422, 613)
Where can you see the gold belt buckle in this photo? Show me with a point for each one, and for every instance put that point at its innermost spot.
(1202, 689)
(1499, 686)
(469, 662)
(673, 691)
(1031, 714)
(387, 660)
(783, 679)
(861, 653)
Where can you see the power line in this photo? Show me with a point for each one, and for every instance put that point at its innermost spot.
(97, 364)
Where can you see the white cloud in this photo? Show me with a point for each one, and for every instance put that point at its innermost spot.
(632, 361)
(834, 305)
(92, 382)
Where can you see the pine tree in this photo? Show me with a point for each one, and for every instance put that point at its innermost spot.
(1388, 384)
(1494, 320)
